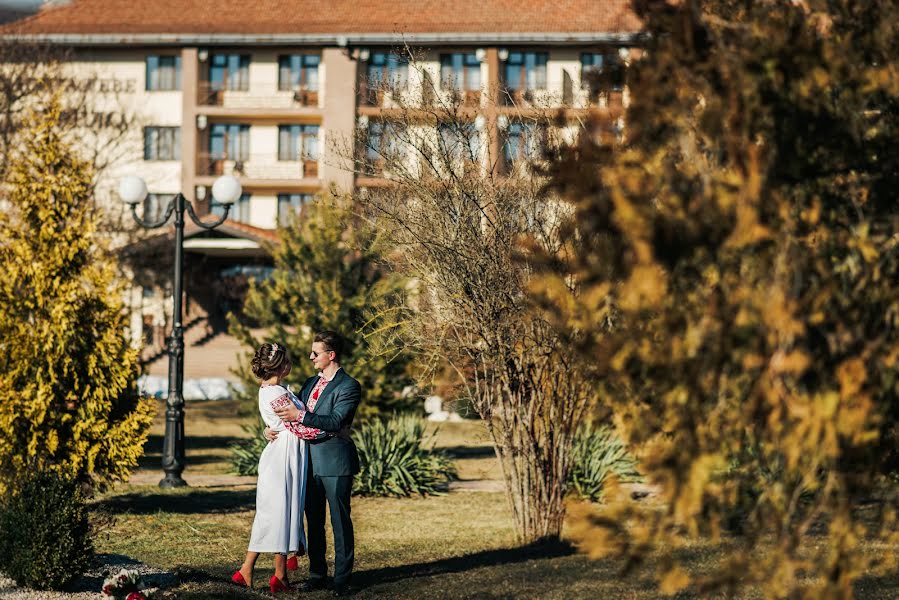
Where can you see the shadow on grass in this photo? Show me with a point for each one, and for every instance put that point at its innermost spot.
(210, 581)
(458, 564)
(192, 502)
(469, 451)
(154, 461)
(153, 444)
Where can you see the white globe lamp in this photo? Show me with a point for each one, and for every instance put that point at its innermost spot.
(132, 190)
(226, 189)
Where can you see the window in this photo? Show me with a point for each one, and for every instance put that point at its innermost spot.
(602, 71)
(163, 73)
(389, 69)
(382, 141)
(229, 142)
(526, 71)
(459, 141)
(229, 72)
(298, 142)
(522, 142)
(291, 204)
(460, 72)
(155, 205)
(298, 71)
(162, 143)
(240, 210)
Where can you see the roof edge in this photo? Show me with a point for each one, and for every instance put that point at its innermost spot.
(321, 39)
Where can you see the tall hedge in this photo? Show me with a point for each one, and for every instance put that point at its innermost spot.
(68, 397)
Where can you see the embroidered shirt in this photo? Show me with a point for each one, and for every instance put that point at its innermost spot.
(302, 431)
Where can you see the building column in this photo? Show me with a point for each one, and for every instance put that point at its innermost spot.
(493, 97)
(189, 82)
(338, 118)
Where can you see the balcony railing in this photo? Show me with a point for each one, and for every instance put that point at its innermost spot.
(207, 95)
(518, 97)
(391, 97)
(262, 166)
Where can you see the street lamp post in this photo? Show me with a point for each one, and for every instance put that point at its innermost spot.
(225, 191)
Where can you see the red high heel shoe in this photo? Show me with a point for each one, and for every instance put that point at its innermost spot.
(238, 579)
(292, 562)
(276, 585)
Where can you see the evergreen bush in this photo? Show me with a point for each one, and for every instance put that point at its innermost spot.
(45, 534)
(396, 459)
(68, 373)
(329, 273)
(596, 454)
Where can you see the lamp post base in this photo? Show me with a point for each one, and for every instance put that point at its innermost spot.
(172, 481)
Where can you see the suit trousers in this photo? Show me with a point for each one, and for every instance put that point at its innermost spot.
(336, 491)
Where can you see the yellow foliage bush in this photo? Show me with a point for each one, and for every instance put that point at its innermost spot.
(743, 241)
(68, 397)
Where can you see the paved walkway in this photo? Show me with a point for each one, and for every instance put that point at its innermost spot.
(200, 480)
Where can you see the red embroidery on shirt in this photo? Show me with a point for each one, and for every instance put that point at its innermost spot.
(302, 431)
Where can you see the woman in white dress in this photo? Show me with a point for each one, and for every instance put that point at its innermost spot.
(281, 486)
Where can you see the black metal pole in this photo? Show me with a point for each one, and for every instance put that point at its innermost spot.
(173, 461)
(173, 445)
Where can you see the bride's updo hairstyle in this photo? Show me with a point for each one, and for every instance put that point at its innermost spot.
(270, 359)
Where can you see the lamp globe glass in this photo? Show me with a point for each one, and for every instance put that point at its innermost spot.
(132, 190)
(226, 189)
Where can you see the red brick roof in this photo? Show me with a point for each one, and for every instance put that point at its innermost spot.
(330, 17)
(242, 230)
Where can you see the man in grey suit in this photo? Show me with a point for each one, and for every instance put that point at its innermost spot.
(331, 398)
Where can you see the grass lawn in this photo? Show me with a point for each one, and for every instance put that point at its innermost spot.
(461, 545)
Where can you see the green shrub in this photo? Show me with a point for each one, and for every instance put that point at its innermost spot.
(245, 454)
(596, 454)
(395, 460)
(45, 534)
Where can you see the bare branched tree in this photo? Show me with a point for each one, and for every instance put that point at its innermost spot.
(451, 179)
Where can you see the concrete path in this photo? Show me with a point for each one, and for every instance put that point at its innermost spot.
(200, 480)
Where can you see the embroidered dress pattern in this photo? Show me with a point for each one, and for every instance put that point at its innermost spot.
(298, 429)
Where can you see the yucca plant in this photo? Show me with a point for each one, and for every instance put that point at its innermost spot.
(396, 459)
(245, 454)
(596, 454)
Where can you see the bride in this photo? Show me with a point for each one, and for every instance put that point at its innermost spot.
(281, 486)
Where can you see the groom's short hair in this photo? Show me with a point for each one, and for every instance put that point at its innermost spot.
(332, 341)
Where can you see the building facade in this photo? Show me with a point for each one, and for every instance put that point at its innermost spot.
(268, 92)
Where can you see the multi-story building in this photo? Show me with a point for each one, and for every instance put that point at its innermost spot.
(267, 90)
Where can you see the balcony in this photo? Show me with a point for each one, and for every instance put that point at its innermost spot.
(262, 167)
(523, 98)
(237, 99)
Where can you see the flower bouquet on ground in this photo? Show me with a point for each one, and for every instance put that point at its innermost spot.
(126, 585)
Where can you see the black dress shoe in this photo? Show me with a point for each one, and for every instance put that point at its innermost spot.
(310, 585)
(342, 590)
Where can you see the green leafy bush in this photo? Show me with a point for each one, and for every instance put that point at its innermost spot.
(45, 534)
(596, 454)
(245, 454)
(396, 461)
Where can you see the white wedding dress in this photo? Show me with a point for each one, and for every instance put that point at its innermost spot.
(281, 486)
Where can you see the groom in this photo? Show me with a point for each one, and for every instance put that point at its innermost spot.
(331, 399)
